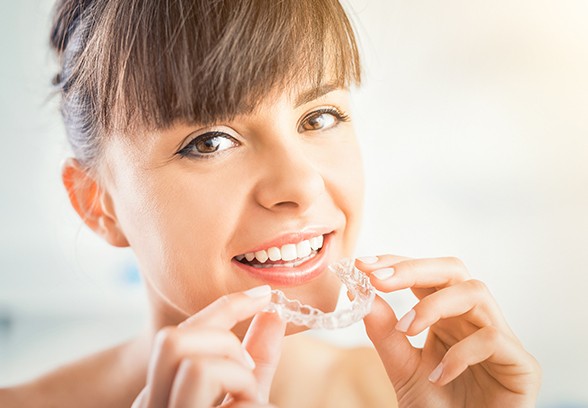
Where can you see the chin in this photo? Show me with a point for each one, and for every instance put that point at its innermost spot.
(322, 293)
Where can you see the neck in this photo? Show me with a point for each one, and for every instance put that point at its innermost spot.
(164, 314)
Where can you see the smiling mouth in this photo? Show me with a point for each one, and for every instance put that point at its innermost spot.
(288, 255)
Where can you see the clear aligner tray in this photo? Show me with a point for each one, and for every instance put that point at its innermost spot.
(358, 284)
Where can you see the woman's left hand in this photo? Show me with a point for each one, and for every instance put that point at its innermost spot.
(470, 358)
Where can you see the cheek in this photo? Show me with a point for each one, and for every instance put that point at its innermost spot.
(343, 170)
(354, 196)
(178, 225)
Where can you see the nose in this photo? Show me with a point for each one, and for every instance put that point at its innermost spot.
(289, 180)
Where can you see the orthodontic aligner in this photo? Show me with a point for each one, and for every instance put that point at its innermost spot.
(358, 284)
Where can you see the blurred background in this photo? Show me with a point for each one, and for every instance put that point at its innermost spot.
(473, 120)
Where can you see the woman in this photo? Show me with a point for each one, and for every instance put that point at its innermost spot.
(215, 139)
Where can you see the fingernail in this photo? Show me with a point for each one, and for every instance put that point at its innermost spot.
(259, 291)
(368, 259)
(404, 323)
(436, 373)
(248, 359)
(383, 274)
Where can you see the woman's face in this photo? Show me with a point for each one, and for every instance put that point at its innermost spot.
(193, 200)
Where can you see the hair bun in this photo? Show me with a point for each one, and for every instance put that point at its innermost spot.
(66, 18)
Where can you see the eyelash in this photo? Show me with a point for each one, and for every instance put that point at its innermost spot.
(186, 150)
(336, 112)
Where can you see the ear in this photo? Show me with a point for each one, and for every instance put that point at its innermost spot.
(92, 202)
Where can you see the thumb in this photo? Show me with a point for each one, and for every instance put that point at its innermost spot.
(400, 358)
(263, 341)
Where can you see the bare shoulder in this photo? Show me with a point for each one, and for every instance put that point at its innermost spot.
(105, 378)
(10, 398)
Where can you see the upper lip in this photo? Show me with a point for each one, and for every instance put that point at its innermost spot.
(290, 238)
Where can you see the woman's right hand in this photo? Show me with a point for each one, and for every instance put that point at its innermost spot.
(201, 363)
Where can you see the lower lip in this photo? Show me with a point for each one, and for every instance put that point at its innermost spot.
(291, 276)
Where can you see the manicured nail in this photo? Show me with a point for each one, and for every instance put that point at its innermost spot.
(436, 373)
(259, 291)
(384, 273)
(368, 259)
(249, 359)
(404, 323)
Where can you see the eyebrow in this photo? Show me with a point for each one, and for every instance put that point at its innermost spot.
(314, 93)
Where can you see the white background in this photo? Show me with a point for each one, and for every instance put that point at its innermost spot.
(473, 120)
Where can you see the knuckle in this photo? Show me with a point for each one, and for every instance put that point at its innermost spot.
(407, 269)
(229, 341)
(450, 355)
(477, 286)
(166, 339)
(223, 300)
(195, 369)
(228, 305)
(408, 265)
(456, 262)
(492, 334)
(453, 357)
(426, 305)
(232, 308)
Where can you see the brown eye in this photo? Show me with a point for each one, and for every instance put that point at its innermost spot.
(322, 119)
(208, 145)
(319, 121)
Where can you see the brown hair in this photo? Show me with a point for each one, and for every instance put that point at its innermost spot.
(131, 64)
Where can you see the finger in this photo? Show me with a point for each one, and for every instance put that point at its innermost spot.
(263, 341)
(432, 273)
(247, 404)
(368, 264)
(202, 382)
(172, 345)
(228, 310)
(141, 400)
(508, 359)
(371, 263)
(174, 342)
(399, 357)
(470, 299)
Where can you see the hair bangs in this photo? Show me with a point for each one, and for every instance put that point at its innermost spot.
(208, 61)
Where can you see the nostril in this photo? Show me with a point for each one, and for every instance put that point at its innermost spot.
(286, 204)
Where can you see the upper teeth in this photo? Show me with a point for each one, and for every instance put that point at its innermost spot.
(287, 252)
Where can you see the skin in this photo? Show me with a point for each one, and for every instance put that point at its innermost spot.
(471, 356)
(279, 179)
(186, 218)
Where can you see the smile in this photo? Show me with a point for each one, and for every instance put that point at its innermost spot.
(292, 254)
(294, 261)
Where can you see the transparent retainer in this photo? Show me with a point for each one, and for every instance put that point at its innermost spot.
(357, 283)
